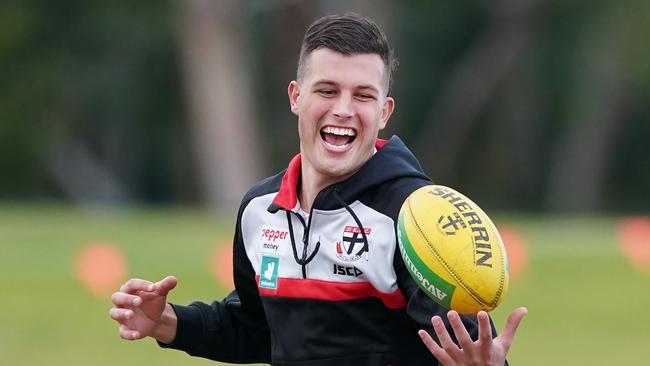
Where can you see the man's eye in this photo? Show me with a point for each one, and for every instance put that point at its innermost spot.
(365, 96)
(326, 92)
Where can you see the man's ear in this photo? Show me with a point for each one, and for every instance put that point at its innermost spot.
(386, 111)
(294, 95)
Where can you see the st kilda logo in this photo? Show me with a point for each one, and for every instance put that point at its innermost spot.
(353, 247)
(451, 224)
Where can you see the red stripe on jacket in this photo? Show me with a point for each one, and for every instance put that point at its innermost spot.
(333, 291)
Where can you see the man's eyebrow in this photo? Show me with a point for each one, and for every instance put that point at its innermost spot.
(370, 87)
(325, 81)
(333, 83)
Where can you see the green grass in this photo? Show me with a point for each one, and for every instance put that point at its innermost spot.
(587, 305)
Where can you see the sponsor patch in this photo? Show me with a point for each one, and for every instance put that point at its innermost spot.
(269, 272)
(347, 271)
(352, 247)
(273, 240)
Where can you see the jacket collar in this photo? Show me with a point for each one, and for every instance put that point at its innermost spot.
(287, 197)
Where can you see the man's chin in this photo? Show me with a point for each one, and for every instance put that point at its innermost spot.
(339, 171)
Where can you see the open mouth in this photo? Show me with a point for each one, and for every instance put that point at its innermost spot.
(338, 136)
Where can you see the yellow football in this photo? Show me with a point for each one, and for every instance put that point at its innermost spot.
(452, 250)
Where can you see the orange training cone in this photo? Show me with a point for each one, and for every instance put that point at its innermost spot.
(634, 241)
(221, 264)
(516, 249)
(101, 268)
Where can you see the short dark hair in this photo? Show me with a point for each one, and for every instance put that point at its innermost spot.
(348, 33)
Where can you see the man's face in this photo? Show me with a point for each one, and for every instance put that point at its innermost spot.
(341, 106)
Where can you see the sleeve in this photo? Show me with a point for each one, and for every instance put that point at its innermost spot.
(232, 330)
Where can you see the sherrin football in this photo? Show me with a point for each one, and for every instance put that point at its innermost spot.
(452, 250)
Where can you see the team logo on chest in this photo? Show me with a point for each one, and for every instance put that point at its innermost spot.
(353, 247)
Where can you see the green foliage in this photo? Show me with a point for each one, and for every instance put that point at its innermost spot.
(100, 73)
(584, 298)
(107, 75)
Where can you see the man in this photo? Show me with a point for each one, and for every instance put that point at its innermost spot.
(318, 279)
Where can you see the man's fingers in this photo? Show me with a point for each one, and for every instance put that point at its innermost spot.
(134, 285)
(165, 285)
(484, 335)
(512, 323)
(120, 314)
(122, 299)
(445, 339)
(460, 331)
(129, 335)
(484, 329)
(435, 349)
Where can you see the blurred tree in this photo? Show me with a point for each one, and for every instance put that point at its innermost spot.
(473, 82)
(627, 174)
(89, 101)
(584, 152)
(532, 104)
(213, 39)
(537, 103)
(277, 28)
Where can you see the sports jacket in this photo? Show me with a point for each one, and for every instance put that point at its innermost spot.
(329, 290)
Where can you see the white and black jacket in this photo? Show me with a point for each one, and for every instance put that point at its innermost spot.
(330, 290)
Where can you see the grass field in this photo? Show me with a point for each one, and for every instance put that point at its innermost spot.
(587, 304)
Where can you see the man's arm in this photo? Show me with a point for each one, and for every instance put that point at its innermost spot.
(232, 330)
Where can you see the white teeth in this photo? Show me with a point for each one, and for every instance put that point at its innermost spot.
(339, 131)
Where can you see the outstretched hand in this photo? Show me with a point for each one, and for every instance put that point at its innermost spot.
(141, 309)
(484, 351)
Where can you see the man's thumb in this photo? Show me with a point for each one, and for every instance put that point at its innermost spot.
(165, 285)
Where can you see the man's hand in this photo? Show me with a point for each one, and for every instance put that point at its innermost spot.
(141, 309)
(484, 351)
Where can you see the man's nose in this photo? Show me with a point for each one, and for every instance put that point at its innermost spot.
(343, 107)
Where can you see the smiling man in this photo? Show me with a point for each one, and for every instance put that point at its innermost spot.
(318, 279)
(341, 102)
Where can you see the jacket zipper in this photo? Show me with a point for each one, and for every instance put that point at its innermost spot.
(304, 259)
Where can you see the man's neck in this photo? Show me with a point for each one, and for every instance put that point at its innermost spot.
(312, 182)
